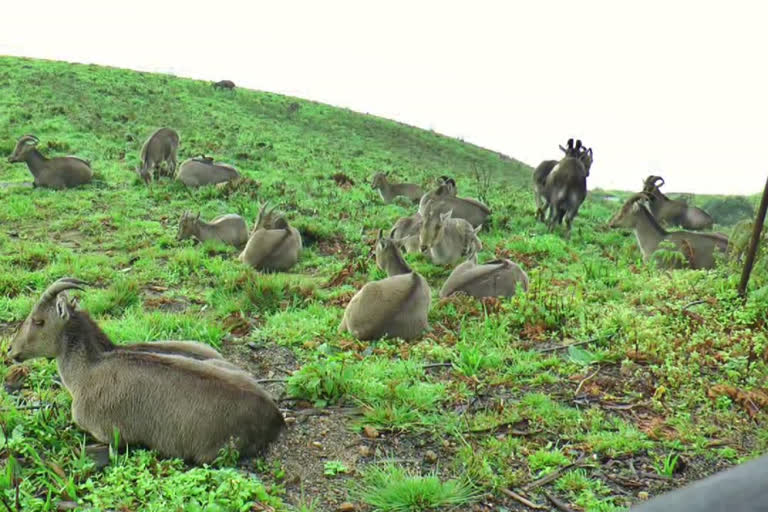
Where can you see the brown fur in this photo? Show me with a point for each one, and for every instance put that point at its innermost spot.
(179, 406)
(539, 184)
(698, 249)
(498, 278)
(230, 229)
(674, 211)
(394, 307)
(59, 172)
(274, 245)
(448, 240)
(389, 191)
(561, 186)
(224, 84)
(161, 147)
(565, 190)
(406, 232)
(443, 199)
(197, 172)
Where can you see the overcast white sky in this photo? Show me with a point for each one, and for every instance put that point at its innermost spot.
(677, 88)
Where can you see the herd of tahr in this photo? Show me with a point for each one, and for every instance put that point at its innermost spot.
(184, 400)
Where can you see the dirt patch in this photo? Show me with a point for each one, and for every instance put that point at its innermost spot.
(155, 299)
(72, 238)
(334, 246)
(317, 436)
(303, 451)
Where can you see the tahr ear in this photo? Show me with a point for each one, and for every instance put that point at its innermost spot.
(62, 306)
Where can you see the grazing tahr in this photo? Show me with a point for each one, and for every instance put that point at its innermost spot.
(443, 198)
(177, 405)
(674, 211)
(273, 245)
(565, 187)
(389, 191)
(224, 84)
(230, 229)
(447, 240)
(497, 278)
(394, 307)
(698, 249)
(59, 172)
(405, 233)
(160, 148)
(202, 170)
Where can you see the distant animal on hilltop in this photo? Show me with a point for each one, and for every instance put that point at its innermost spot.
(179, 406)
(59, 172)
(160, 148)
(224, 84)
(674, 211)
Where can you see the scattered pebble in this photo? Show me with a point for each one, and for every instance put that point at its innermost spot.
(430, 456)
(364, 450)
(318, 445)
(346, 507)
(370, 432)
(642, 495)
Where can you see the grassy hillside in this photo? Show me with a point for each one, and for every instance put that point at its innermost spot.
(666, 385)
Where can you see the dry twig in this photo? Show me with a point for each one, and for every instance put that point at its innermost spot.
(585, 379)
(528, 503)
(554, 475)
(557, 503)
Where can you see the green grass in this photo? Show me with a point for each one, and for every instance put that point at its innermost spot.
(659, 376)
(391, 488)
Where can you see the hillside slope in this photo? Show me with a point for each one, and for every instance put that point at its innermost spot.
(666, 385)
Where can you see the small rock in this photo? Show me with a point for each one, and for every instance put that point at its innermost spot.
(346, 507)
(430, 456)
(290, 420)
(642, 495)
(66, 505)
(446, 443)
(317, 445)
(364, 450)
(99, 453)
(370, 432)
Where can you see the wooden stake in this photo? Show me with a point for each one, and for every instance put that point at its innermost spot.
(757, 230)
